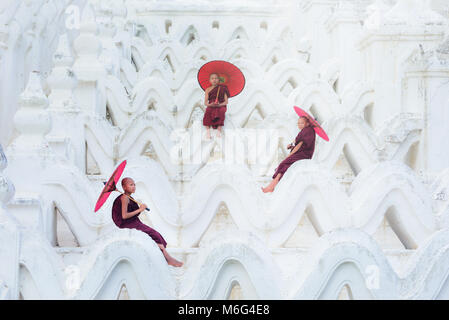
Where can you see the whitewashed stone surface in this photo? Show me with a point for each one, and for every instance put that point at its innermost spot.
(87, 84)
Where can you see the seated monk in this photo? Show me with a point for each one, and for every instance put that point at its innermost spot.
(124, 215)
(216, 99)
(303, 148)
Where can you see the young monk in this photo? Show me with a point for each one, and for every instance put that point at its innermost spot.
(302, 149)
(216, 108)
(124, 215)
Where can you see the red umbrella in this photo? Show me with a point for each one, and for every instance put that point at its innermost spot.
(228, 74)
(111, 185)
(316, 126)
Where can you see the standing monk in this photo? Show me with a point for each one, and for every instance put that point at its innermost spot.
(216, 99)
(302, 149)
(124, 215)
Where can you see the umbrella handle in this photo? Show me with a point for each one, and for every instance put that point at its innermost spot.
(218, 92)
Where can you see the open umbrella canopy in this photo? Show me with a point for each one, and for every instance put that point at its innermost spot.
(316, 126)
(110, 186)
(228, 74)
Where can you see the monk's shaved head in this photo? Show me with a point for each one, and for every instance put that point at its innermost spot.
(126, 180)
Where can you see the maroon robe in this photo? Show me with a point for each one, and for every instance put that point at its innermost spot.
(133, 222)
(214, 116)
(307, 136)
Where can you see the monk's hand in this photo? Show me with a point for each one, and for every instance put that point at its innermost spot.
(289, 146)
(142, 207)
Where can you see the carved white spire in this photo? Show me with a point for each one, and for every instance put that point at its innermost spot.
(32, 120)
(107, 30)
(87, 45)
(62, 80)
(87, 67)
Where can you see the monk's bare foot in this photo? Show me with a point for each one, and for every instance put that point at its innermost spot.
(267, 189)
(173, 262)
